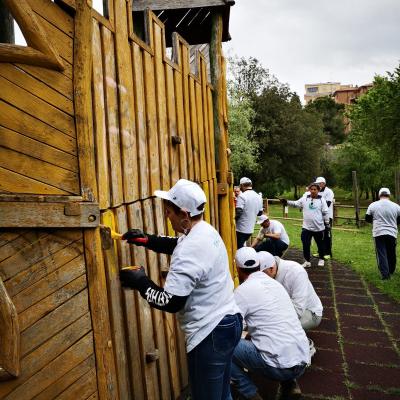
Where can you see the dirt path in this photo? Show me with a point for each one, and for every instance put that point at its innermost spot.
(358, 341)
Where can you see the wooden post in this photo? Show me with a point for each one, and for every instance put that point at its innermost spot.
(6, 25)
(335, 213)
(356, 199)
(397, 185)
(221, 157)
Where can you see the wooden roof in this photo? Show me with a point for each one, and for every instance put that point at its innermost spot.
(191, 19)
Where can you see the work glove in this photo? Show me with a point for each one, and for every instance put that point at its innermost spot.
(136, 236)
(133, 278)
(283, 201)
(327, 226)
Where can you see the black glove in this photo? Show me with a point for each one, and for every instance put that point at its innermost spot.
(133, 278)
(136, 236)
(283, 201)
(327, 227)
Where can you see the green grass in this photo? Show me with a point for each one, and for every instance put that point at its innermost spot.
(354, 248)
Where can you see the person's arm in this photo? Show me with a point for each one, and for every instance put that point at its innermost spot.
(324, 210)
(368, 215)
(273, 235)
(299, 293)
(258, 239)
(239, 206)
(238, 213)
(277, 231)
(159, 244)
(155, 295)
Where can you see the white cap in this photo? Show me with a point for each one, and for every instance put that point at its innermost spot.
(384, 191)
(261, 219)
(266, 260)
(246, 257)
(187, 195)
(320, 179)
(244, 181)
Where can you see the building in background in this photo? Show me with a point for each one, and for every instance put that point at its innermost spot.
(348, 95)
(315, 90)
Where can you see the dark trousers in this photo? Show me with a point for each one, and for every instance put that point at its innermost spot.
(210, 361)
(385, 247)
(306, 237)
(241, 238)
(328, 240)
(274, 246)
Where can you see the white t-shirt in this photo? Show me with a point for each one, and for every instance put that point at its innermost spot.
(272, 322)
(274, 227)
(328, 195)
(200, 269)
(315, 212)
(251, 204)
(384, 217)
(294, 278)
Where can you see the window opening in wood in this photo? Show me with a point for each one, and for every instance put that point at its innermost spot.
(101, 6)
(139, 25)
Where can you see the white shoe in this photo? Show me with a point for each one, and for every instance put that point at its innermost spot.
(306, 264)
(321, 262)
(313, 350)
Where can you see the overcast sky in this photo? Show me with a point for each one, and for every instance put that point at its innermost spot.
(311, 41)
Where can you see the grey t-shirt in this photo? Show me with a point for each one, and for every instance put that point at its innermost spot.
(251, 204)
(384, 217)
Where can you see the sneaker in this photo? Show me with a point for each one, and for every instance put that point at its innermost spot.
(290, 390)
(313, 350)
(321, 262)
(306, 264)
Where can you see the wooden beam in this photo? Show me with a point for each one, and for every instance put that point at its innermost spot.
(141, 5)
(49, 215)
(6, 25)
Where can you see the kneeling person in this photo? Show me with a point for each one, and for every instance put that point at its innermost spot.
(278, 347)
(276, 239)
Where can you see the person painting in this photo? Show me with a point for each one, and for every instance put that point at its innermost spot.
(198, 288)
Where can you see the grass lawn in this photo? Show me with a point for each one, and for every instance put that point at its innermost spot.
(353, 247)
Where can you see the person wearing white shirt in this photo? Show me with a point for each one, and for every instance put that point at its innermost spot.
(248, 206)
(385, 216)
(198, 288)
(277, 346)
(315, 222)
(276, 239)
(329, 197)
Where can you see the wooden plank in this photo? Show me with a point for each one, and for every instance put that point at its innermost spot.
(54, 322)
(113, 128)
(37, 271)
(66, 380)
(83, 101)
(186, 113)
(200, 133)
(54, 370)
(194, 129)
(140, 112)
(11, 182)
(126, 104)
(172, 128)
(49, 351)
(10, 334)
(206, 189)
(23, 123)
(153, 272)
(49, 284)
(99, 121)
(116, 311)
(140, 5)
(180, 123)
(48, 215)
(82, 388)
(39, 89)
(106, 371)
(144, 324)
(211, 132)
(39, 310)
(30, 147)
(39, 170)
(151, 123)
(204, 96)
(6, 237)
(54, 79)
(164, 140)
(37, 108)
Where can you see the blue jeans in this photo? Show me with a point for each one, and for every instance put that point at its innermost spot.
(210, 361)
(247, 356)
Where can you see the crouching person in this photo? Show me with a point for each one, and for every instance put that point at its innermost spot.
(277, 347)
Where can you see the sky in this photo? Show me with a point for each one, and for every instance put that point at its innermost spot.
(313, 41)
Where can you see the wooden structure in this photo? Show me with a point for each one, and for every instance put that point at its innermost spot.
(94, 118)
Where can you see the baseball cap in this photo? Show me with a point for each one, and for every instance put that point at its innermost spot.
(261, 219)
(244, 180)
(320, 179)
(246, 257)
(384, 191)
(187, 195)
(266, 260)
